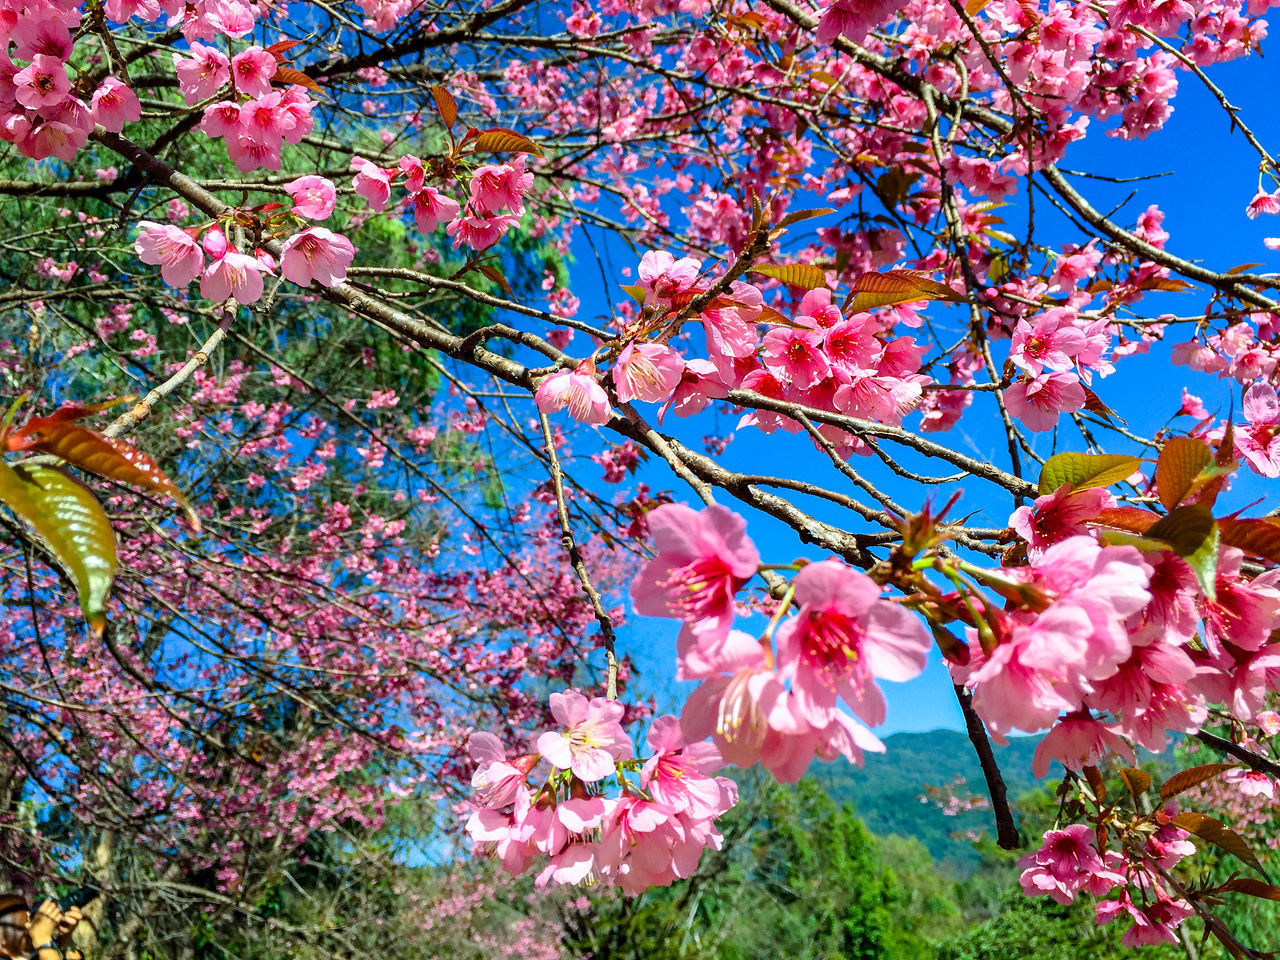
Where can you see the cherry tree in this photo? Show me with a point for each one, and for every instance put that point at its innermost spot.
(837, 231)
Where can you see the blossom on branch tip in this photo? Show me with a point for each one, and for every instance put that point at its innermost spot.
(593, 738)
(578, 391)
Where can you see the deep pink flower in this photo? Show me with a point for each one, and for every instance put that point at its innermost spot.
(796, 356)
(313, 197)
(499, 187)
(316, 254)
(432, 208)
(221, 119)
(172, 249)
(647, 371)
(703, 559)
(1037, 402)
(252, 70)
(204, 74)
(1050, 344)
(372, 182)
(844, 636)
(1263, 203)
(480, 233)
(1058, 515)
(43, 83)
(114, 105)
(1066, 863)
(593, 739)
(700, 383)
(577, 390)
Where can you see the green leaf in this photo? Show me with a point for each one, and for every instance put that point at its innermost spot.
(1220, 835)
(1192, 533)
(1180, 463)
(806, 276)
(1083, 471)
(68, 521)
(1184, 780)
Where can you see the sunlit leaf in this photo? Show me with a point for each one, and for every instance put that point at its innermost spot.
(1179, 465)
(1220, 835)
(105, 456)
(1083, 471)
(496, 276)
(445, 104)
(634, 291)
(290, 76)
(502, 140)
(1258, 537)
(68, 521)
(892, 287)
(795, 216)
(1132, 519)
(1192, 533)
(1184, 780)
(803, 275)
(1136, 780)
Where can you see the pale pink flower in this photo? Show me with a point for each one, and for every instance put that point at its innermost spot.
(496, 782)
(252, 70)
(703, 559)
(314, 197)
(316, 254)
(577, 390)
(231, 274)
(647, 371)
(1259, 442)
(700, 383)
(844, 636)
(1077, 742)
(662, 276)
(432, 208)
(1037, 402)
(499, 187)
(593, 739)
(372, 182)
(172, 249)
(1263, 203)
(1251, 783)
(204, 74)
(43, 83)
(678, 774)
(114, 105)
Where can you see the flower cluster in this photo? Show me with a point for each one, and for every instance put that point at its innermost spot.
(780, 709)
(650, 832)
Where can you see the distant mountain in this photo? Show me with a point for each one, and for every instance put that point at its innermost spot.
(887, 791)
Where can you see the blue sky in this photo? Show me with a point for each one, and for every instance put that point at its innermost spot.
(1212, 176)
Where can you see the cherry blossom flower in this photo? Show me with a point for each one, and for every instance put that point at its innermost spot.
(231, 273)
(844, 636)
(499, 187)
(647, 371)
(314, 197)
(1038, 401)
(203, 74)
(1067, 863)
(662, 276)
(114, 105)
(172, 249)
(372, 182)
(316, 254)
(480, 233)
(43, 83)
(432, 208)
(703, 559)
(594, 738)
(577, 390)
(252, 70)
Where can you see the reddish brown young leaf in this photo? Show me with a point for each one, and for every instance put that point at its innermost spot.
(1251, 887)
(502, 140)
(280, 47)
(1180, 463)
(1184, 780)
(289, 76)
(886, 289)
(1258, 537)
(105, 456)
(1220, 835)
(1132, 519)
(1136, 780)
(445, 104)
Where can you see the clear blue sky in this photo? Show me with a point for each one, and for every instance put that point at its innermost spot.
(1213, 176)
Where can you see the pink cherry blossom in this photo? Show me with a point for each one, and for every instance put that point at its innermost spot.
(593, 739)
(647, 371)
(432, 208)
(703, 559)
(172, 249)
(662, 276)
(43, 83)
(499, 187)
(844, 636)
(372, 182)
(480, 233)
(203, 74)
(252, 71)
(316, 254)
(313, 197)
(230, 274)
(114, 105)
(1038, 401)
(578, 391)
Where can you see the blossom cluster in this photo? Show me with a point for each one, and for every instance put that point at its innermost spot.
(650, 832)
